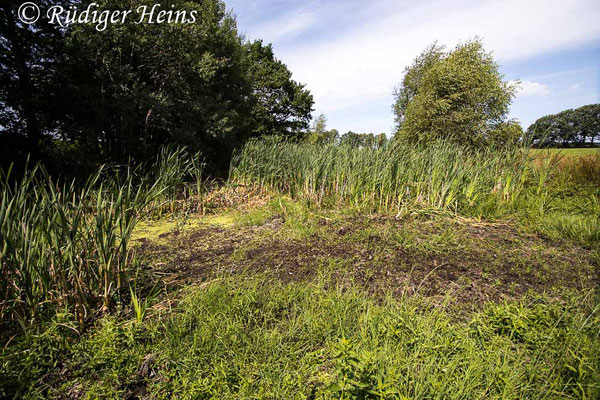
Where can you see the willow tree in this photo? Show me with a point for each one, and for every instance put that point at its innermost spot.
(456, 95)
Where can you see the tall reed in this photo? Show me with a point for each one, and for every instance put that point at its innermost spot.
(67, 245)
(397, 175)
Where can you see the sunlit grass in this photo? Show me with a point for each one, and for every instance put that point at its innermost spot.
(483, 183)
(588, 151)
(253, 338)
(401, 178)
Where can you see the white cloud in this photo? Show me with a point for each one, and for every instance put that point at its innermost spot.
(286, 26)
(530, 88)
(574, 87)
(363, 62)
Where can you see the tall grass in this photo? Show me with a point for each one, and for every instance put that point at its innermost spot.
(442, 176)
(67, 244)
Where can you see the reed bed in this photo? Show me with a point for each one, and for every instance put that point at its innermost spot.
(394, 177)
(66, 245)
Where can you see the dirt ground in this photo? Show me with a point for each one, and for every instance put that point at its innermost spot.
(445, 259)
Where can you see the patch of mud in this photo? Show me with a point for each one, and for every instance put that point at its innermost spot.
(497, 263)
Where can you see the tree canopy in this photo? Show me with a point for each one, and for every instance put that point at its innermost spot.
(124, 91)
(280, 105)
(319, 134)
(578, 127)
(363, 139)
(455, 95)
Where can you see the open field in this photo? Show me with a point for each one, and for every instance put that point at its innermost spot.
(568, 152)
(319, 281)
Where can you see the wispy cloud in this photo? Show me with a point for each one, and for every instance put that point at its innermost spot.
(352, 52)
(530, 88)
(287, 26)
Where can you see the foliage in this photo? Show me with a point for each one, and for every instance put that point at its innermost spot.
(281, 106)
(363, 139)
(30, 75)
(127, 90)
(255, 338)
(414, 75)
(66, 245)
(392, 177)
(138, 86)
(555, 196)
(318, 133)
(577, 127)
(457, 95)
(356, 376)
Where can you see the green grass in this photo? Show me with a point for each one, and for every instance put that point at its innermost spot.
(256, 338)
(567, 152)
(399, 272)
(393, 177)
(401, 178)
(251, 335)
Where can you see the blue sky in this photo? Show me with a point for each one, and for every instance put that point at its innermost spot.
(351, 53)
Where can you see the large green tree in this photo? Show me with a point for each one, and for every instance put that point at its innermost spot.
(126, 90)
(280, 105)
(455, 95)
(136, 86)
(406, 91)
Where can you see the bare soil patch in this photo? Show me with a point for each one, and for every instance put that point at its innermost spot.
(480, 263)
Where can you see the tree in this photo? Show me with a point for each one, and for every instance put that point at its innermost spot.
(280, 105)
(588, 118)
(320, 124)
(457, 95)
(318, 133)
(380, 140)
(363, 140)
(135, 87)
(578, 127)
(406, 91)
(126, 90)
(30, 59)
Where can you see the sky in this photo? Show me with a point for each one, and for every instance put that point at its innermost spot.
(352, 53)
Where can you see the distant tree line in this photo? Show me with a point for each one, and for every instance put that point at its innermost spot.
(370, 140)
(75, 96)
(570, 128)
(319, 134)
